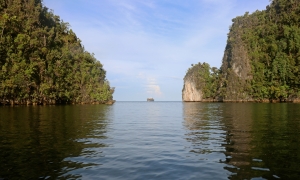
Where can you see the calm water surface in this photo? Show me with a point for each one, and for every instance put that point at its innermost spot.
(151, 140)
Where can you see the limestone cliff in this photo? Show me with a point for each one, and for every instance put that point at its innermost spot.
(190, 92)
(261, 61)
(236, 68)
(201, 83)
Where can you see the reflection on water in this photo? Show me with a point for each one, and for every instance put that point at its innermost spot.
(157, 140)
(42, 141)
(258, 140)
(206, 135)
(205, 131)
(237, 119)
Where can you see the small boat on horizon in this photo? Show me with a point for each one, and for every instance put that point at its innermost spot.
(150, 99)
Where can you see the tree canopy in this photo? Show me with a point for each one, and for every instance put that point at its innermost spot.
(42, 60)
(262, 56)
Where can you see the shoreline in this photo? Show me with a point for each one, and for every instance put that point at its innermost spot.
(27, 103)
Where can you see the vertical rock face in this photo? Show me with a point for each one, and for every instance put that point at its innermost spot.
(236, 69)
(192, 88)
(260, 63)
(190, 92)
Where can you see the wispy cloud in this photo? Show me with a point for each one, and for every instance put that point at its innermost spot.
(151, 85)
(154, 90)
(147, 46)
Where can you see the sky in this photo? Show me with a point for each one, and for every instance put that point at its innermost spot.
(146, 46)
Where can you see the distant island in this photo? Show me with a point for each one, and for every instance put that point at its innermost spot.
(43, 61)
(261, 61)
(150, 99)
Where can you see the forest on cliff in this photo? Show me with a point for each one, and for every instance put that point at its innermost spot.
(42, 60)
(261, 60)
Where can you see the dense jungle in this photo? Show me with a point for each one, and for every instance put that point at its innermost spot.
(261, 61)
(42, 60)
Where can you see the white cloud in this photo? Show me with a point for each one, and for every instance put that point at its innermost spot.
(147, 46)
(152, 87)
(153, 90)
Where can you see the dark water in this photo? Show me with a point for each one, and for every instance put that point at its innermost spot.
(151, 140)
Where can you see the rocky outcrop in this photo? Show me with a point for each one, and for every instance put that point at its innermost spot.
(236, 68)
(260, 63)
(190, 92)
(110, 102)
(201, 83)
(193, 83)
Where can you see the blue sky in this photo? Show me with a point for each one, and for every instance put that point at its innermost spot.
(146, 46)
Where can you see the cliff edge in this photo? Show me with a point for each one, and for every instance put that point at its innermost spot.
(261, 60)
(190, 92)
(201, 83)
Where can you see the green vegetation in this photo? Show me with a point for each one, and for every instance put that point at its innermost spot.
(207, 79)
(262, 56)
(43, 62)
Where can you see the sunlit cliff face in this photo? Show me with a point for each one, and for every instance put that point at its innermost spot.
(190, 92)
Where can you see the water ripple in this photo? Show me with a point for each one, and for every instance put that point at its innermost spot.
(159, 140)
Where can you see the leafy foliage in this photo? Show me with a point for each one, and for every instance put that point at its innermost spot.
(42, 61)
(207, 79)
(262, 56)
(273, 42)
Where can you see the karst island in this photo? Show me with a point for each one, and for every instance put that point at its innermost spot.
(261, 62)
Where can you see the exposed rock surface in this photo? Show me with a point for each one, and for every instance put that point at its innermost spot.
(261, 60)
(236, 68)
(190, 92)
(200, 84)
